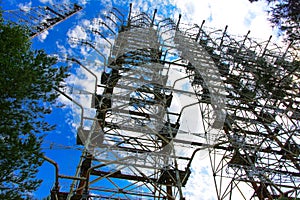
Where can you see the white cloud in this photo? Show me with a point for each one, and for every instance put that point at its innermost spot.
(25, 6)
(43, 35)
(47, 1)
(77, 32)
(83, 2)
(239, 15)
(219, 13)
(86, 22)
(62, 49)
(200, 184)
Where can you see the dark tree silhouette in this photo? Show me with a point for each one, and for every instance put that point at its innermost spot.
(285, 14)
(27, 82)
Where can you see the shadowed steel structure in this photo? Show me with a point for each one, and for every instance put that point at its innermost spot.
(245, 92)
(169, 90)
(42, 18)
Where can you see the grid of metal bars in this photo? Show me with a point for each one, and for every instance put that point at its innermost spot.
(42, 18)
(252, 87)
(247, 93)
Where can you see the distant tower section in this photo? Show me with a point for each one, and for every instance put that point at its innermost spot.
(260, 154)
(41, 18)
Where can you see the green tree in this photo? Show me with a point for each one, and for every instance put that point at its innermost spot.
(285, 14)
(27, 82)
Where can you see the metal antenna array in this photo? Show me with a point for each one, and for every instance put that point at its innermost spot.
(243, 94)
(261, 128)
(169, 90)
(42, 18)
(138, 144)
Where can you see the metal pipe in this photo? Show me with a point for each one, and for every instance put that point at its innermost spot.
(177, 26)
(179, 80)
(114, 8)
(184, 107)
(76, 175)
(81, 107)
(221, 43)
(199, 32)
(103, 23)
(186, 31)
(116, 16)
(202, 148)
(242, 45)
(264, 52)
(129, 15)
(56, 185)
(87, 69)
(153, 18)
(287, 49)
(102, 165)
(78, 8)
(99, 33)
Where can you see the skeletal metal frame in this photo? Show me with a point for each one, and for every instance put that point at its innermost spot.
(262, 122)
(257, 146)
(129, 138)
(42, 18)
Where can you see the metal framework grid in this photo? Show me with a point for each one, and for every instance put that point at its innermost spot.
(252, 87)
(262, 117)
(133, 136)
(137, 146)
(42, 18)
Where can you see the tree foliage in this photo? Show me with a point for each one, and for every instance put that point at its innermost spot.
(26, 94)
(285, 14)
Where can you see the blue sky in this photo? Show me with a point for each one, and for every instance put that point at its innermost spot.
(240, 15)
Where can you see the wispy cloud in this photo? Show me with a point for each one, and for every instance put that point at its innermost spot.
(200, 185)
(78, 32)
(43, 36)
(221, 13)
(47, 1)
(83, 2)
(25, 6)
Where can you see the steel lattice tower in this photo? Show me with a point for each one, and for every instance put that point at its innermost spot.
(42, 18)
(262, 118)
(243, 97)
(247, 93)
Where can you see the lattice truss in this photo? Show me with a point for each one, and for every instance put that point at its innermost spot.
(139, 143)
(41, 18)
(169, 90)
(262, 117)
